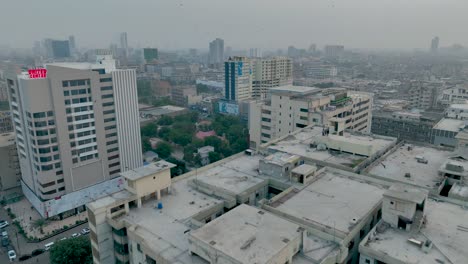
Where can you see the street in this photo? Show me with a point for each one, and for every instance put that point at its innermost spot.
(22, 247)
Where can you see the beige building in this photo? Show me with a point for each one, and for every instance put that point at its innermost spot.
(10, 174)
(76, 127)
(268, 73)
(185, 95)
(293, 107)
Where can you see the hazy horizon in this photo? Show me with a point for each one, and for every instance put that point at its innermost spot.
(265, 24)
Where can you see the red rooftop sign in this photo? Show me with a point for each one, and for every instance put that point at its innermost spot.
(37, 73)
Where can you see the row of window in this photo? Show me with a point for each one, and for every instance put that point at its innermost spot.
(76, 92)
(76, 83)
(78, 100)
(40, 114)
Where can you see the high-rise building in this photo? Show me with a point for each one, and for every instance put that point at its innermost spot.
(290, 108)
(57, 49)
(123, 41)
(72, 43)
(435, 44)
(150, 54)
(333, 51)
(268, 73)
(255, 53)
(238, 79)
(216, 55)
(76, 129)
(11, 173)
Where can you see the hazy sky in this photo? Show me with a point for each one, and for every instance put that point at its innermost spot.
(171, 24)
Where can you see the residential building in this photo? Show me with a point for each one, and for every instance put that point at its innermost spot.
(76, 129)
(333, 51)
(6, 123)
(457, 111)
(150, 54)
(238, 79)
(216, 54)
(424, 95)
(255, 53)
(10, 176)
(408, 126)
(268, 73)
(185, 95)
(293, 107)
(435, 44)
(445, 132)
(72, 44)
(454, 95)
(319, 71)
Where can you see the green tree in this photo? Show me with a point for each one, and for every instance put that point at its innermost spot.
(213, 141)
(180, 166)
(146, 145)
(72, 251)
(149, 130)
(214, 156)
(164, 133)
(163, 149)
(165, 121)
(189, 152)
(180, 137)
(40, 223)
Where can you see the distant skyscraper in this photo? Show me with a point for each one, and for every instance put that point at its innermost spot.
(76, 129)
(333, 51)
(123, 41)
(57, 49)
(435, 44)
(72, 43)
(150, 54)
(216, 56)
(238, 79)
(255, 53)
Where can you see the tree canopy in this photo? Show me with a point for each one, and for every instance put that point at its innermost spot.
(163, 149)
(71, 251)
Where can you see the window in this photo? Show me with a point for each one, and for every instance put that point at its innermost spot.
(108, 104)
(304, 110)
(105, 96)
(39, 115)
(109, 119)
(105, 80)
(65, 83)
(66, 93)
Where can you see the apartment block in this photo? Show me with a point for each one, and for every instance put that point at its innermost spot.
(185, 95)
(6, 123)
(268, 73)
(238, 79)
(11, 174)
(290, 108)
(76, 128)
(424, 95)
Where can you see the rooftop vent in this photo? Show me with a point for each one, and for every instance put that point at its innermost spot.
(407, 175)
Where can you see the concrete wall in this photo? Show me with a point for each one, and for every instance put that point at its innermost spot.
(153, 183)
(391, 212)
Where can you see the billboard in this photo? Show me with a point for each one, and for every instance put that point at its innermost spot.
(39, 73)
(228, 108)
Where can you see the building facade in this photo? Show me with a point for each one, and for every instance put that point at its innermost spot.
(185, 95)
(238, 79)
(6, 124)
(268, 73)
(293, 107)
(216, 55)
(424, 95)
(333, 51)
(11, 174)
(76, 127)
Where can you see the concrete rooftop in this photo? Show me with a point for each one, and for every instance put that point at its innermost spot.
(248, 234)
(402, 161)
(333, 200)
(449, 124)
(446, 227)
(147, 170)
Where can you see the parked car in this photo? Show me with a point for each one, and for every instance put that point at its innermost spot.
(37, 252)
(5, 242)
(12, 255)
(75, 235)
(24, 257)
(48, 245)
(63, 238)
(85, 231)
(3, 224)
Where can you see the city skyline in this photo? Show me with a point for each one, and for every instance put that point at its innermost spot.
(357, 24)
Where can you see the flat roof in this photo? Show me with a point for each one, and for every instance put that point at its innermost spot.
(248, 234)
(235, 176)
(459, 106)
(166, 229)
(407, 193)
(402, 161)
(293, 89)
(449, 124)
(280, 158)
(446, 227)
(147, 170)
(299, 144)
(333, 200)
(162, 110)
(304, 169)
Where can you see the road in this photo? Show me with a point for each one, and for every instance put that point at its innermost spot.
(22, 247)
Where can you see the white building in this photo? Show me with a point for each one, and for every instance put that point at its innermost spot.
(238, 79)
(268, 73)
(293, 107)
(76, 128)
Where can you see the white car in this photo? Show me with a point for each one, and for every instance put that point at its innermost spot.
(75, 235)
(85, 231)
(12, 255)
(4, 234)
(3, 224)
